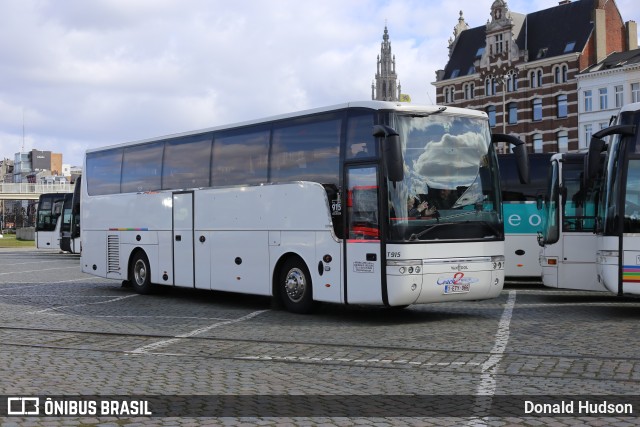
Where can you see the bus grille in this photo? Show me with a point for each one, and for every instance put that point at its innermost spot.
(113, 253)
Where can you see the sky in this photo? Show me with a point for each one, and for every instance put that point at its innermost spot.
(79, 74)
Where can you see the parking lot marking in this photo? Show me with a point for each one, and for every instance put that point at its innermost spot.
(347, 360)
(154, 346)
(80, 305)
(39, 271)
(487, 387)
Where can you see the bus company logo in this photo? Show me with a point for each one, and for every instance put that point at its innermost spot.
(459, 267)
(457, 279)
(23, 406)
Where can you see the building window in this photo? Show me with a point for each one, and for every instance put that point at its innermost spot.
(494, 86)
(635, 92)
(537, 143)
(588, 131)
(512, 82)
(619, 93)
(556, 75)
(603, 98)
(472, 90)
(588, 101)
(532, 79)
(562, 106)
(513, 113)
(498, 44)
(565, 73)
(563, 141)
(487, 87)
(491, 112)
(468, 89)
(539, 78)
(537, 109)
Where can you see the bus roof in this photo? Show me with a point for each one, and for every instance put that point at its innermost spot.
(630, 107)
(374, 105)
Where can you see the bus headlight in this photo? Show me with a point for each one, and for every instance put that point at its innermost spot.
(411, 266)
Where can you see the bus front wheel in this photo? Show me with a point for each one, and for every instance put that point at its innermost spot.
(141, 273)
(295, 286)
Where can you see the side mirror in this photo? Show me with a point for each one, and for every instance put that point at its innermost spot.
(392, 152)
(597, 146)
(519, 151)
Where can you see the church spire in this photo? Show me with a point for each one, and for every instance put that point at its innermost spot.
(385, 87)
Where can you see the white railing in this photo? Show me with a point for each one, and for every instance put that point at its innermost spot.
(26, 188)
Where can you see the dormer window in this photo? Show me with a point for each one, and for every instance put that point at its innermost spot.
(455, 73)
(479, 52)
(569, 47)
(542, 53)
(498, 44)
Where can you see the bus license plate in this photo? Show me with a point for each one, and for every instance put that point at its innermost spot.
(456, 289)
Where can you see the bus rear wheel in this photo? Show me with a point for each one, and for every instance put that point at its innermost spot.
(295, 286)
(140, 274)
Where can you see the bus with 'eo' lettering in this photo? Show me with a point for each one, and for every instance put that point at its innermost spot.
(523, 219)
(372, 203)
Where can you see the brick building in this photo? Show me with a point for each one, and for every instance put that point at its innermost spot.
(521, 69)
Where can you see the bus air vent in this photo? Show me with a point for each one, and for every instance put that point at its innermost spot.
(113, 253)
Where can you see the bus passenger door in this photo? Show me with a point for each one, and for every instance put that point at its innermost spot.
(363, 261)
(183, 239)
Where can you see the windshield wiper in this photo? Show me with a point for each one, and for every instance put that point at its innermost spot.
(438, 111)
(415, 236)
(487, 224)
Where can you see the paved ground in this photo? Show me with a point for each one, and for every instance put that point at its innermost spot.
(208, 358)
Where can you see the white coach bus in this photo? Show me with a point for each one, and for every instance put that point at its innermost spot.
(618, 227)
(363, 203)
(568, 239)
(49, 220)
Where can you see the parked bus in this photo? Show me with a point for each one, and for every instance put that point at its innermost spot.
(618, 226)
(70, 224)
(522, 218)
(48, 220)
(257, 207)
(568, 241)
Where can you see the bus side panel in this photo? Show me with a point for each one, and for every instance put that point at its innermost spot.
(240, 262)
(92, 260)
(328, 286)
(631, 264)
(577, 265)
(522, 223)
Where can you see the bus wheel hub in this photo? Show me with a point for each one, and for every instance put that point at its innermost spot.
(295, 284)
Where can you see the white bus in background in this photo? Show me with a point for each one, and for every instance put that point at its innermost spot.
(70, 221)
(568, 241)
(523, 219)
(320, 205)
(618, 227)
(48, 220)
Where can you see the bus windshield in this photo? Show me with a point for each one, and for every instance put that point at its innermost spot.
(451, 178)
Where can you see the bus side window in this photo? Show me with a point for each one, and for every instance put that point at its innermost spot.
(360, 141)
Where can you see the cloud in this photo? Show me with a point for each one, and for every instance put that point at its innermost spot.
(90, 74)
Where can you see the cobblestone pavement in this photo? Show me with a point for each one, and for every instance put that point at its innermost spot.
(210, 358)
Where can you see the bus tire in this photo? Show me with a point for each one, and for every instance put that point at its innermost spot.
(140, 274)
(295, 286)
